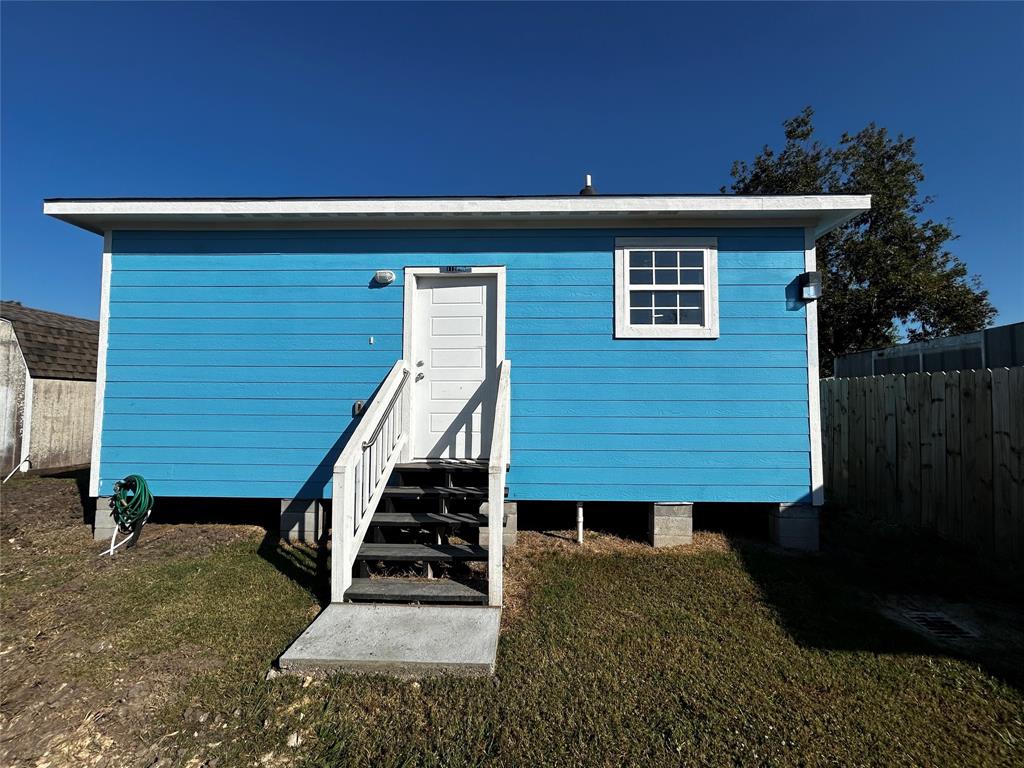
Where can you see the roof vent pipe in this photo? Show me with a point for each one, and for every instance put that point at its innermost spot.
(588, 188)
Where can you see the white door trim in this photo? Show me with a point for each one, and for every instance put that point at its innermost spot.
(412, 275)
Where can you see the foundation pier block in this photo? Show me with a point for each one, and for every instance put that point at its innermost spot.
(302, 520)
(670, 523)
(511, 524)
(795, 526)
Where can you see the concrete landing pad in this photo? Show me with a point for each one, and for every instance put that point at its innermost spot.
(408, 640)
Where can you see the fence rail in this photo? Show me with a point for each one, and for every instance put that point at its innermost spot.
(941, 451)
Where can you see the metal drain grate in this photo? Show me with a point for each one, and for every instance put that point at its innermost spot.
(939, 625)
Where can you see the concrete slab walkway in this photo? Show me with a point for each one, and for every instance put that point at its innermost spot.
(407, 640)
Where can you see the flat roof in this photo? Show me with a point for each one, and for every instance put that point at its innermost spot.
(821, 212)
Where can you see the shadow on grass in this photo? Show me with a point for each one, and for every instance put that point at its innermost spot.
(831, 601)
(303, 564)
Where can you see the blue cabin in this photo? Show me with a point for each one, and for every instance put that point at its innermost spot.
(385, 363)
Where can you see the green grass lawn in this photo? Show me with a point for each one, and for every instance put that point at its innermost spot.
(613, 654)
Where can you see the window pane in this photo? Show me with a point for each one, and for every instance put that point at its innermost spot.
(640, 317)
(641, 299)
(691, 259)
(691, 317)
(665, 259)
(691, 276)
(641, 277)
(666, 317)
(666, 276)
(691, 299)
(665, 299)
(640, 259)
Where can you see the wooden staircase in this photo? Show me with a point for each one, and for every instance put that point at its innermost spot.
(423, 541)
(414, 590)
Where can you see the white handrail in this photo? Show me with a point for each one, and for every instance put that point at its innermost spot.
(362, 470)
(496, 466)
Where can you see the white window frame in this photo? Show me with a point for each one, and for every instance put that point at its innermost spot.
(625, 330)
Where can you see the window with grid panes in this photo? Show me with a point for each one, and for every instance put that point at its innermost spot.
(666, 288)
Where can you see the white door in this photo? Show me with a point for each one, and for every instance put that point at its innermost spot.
(454, 363)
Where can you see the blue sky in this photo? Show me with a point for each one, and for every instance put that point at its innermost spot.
(121, 99)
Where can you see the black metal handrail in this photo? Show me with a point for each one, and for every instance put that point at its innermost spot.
(387, 411)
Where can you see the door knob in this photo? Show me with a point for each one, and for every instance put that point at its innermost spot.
(419, 376)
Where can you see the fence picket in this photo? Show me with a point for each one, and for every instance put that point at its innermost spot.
(843, 470)
(1002, 467)
(977, 444)
(890, 484)
(954, 470)
(933, 419)
(910, 450)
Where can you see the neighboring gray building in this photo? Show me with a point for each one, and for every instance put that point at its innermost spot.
(47, 388)
(999, 347)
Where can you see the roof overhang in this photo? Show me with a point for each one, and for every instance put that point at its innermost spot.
(820, 212)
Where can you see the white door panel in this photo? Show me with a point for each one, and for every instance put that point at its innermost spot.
(457, 326)
(470, 359)
(454, 359)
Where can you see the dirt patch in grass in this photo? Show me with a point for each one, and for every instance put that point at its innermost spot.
(80, 680)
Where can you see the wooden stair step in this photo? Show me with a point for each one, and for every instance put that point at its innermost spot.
(413, 553)
(397, 590)
(419, 491)
(409, 519)
(454, 465)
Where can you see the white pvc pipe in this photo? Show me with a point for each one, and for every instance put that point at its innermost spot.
(19, 465)
(579, 522)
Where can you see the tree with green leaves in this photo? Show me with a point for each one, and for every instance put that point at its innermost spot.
(888, 273)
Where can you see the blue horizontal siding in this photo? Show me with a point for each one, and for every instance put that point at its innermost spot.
(236, 281)
(524, 410)
(362, 326)
(526, 392)
(341, 294)
(330, 310)
(578, 377)
(514, 345)
(260, 454)
(644, 442)
(609, 476)
(767, 448)
(234, 359)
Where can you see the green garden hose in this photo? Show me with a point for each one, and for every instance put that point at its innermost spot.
(130, 507)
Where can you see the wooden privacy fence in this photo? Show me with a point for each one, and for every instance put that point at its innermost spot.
(942, 451)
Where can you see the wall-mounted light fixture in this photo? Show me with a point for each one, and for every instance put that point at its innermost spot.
(384, 277)
(810, 286)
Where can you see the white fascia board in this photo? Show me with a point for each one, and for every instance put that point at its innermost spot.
(822, 212)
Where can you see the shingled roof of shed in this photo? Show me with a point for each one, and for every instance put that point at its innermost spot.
(55, 346)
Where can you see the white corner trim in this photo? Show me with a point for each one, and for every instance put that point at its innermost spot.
(101, 368)
(710, 329)
(813, 384)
